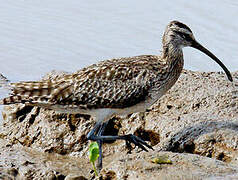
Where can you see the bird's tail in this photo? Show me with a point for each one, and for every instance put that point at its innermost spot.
(30, 91)
(37, 92)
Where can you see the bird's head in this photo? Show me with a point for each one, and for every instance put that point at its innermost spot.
(178, 35)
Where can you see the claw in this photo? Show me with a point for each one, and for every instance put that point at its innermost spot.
(130, 138)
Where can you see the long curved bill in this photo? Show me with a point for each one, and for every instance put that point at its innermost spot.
(198, 46)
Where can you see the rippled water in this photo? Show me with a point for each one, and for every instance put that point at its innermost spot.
(39, 36)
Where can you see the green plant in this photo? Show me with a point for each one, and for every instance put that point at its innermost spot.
(93, 155)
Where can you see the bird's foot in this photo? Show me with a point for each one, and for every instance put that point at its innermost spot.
(96, 135)
(130, 138)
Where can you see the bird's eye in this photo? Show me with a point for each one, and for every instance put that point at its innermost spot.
(183, 35)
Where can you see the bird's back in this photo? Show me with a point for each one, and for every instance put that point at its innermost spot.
(115, 83)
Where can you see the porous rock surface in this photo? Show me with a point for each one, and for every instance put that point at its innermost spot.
(195, 125)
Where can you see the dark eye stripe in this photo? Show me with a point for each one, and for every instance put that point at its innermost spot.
(183, 35)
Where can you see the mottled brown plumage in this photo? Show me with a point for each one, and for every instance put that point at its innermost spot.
(116, 83)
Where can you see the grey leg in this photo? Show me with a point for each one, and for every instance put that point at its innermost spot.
(100, 141)
(92, 132)
(97, 131)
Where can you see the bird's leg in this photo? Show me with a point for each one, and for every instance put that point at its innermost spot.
(96, 134)
(100, 127)
(93, 131)
(100, 141)
(97, 131)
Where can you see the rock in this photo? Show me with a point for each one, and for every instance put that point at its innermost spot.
(212, 139)
(19, 162)
(204, 119)
(75, 177)
(199, 116)
(184, 166)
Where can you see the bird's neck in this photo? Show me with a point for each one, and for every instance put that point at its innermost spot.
(172, 50)
(173, 54)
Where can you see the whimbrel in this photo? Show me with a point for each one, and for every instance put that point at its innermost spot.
(116, 86)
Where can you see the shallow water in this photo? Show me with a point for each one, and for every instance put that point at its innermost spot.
(39, 36)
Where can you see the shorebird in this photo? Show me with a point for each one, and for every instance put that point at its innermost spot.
(116, 86)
